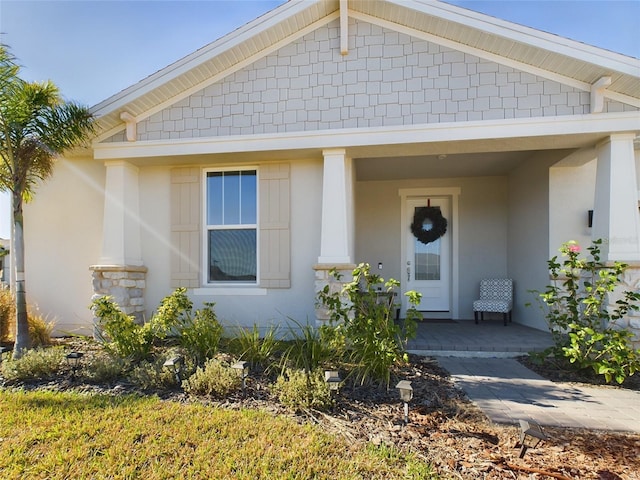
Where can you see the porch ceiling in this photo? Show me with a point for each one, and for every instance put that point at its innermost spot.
(439, 166)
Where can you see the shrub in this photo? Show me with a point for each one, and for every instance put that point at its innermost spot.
(215, 378)
(35, 364)
(364, 318)
(153, 375)
(581, 321)
(200, 335)
(251, 347)
(104, 367)
(298, 389)
(7, 314)
(119, 332)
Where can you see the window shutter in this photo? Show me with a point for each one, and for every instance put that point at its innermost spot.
(275, 238)
(185, 227)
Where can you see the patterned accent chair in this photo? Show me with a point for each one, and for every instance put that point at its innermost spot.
(496, 296)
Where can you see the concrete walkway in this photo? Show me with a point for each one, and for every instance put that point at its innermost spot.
(506, 392)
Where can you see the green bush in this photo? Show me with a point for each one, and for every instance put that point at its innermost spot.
(200, 335)
(103, 368)
(153, 374)
(215, 378)
(119, 332)
(582, 323)
(35, 364)
(251, 347)
(299, 390)
(364, 319)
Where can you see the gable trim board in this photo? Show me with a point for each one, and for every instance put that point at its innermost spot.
(489, 130)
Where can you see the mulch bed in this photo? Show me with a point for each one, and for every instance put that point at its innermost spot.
(444, 428)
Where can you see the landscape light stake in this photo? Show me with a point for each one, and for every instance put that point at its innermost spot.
(332, 377)
(406, 394)
(73, 360)
(175, 365)
(531, 435)
(242, 368)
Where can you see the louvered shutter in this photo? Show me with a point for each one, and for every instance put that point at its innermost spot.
(186, 232)
(275, 237)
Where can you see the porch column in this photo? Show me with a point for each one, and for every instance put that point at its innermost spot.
(336, 238)
(337, 228)
(615, 218)
(121, 224)
(120, 272)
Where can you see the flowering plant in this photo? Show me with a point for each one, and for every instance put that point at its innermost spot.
(580, 317)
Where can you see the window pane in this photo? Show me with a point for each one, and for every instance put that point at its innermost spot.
(232, 255)
(427, 257)
(231, 198)
(214, 198)
(249, 201)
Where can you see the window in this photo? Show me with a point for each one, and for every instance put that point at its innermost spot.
(231, 231)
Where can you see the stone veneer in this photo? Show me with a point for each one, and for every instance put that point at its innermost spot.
(324, 278)
(630, 281)
(125, 283)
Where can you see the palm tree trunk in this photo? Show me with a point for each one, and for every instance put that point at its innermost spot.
(23, 341)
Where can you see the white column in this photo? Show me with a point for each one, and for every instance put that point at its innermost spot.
(337, 236)
(121, 228)
(615, 218)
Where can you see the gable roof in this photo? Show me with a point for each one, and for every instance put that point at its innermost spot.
(548, 55)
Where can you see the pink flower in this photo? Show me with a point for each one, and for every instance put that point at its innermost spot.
(574, 248)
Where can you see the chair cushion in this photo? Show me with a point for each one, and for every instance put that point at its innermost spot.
(499, 306)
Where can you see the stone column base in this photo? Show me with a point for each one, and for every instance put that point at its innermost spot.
(125, 284)
(324, 278)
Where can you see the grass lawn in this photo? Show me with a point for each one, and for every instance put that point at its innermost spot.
(54, 435)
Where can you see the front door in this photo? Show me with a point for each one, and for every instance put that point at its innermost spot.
(428, 265)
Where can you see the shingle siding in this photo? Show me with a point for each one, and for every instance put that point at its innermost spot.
(388, 78)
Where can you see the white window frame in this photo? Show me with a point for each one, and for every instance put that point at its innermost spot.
(228, 286)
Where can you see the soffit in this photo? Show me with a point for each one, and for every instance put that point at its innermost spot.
(528, 46)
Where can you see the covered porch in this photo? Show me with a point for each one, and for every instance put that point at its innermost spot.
(462, 338)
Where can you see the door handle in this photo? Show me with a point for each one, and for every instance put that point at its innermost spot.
(408, 271)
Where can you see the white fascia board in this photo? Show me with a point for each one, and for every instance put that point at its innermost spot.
(527, 35)
(228, 41)
(397, 135)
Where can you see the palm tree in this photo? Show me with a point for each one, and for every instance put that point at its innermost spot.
(36, 126)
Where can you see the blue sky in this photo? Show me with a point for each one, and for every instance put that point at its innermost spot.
(92, 49)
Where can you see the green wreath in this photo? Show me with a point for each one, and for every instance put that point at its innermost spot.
(438, 222)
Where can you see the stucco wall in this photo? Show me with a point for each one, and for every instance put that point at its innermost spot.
(571, 196)
(528, 235)
(483, 229)
(63, 237)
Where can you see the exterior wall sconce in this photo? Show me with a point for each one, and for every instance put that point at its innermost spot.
(531, 435)
(242, 368)
(175, 364)
(73, 360)
(332, 377)
(406, 394)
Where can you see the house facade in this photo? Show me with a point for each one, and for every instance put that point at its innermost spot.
(312, 137)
